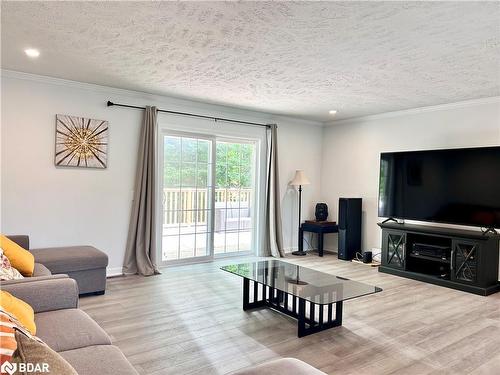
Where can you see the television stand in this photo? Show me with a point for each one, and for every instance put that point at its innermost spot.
(389, 219)
(460, 259)
(489, 230)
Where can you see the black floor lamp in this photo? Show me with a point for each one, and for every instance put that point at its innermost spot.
(299, 180)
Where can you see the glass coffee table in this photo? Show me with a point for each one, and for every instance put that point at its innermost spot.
(314, 298)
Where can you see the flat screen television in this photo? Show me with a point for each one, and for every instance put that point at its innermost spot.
(455, 186)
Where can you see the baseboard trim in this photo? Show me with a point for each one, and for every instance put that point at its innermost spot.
(289, 250)
(114, 271)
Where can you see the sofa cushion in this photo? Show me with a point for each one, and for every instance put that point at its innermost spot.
(30, 350)
(40, 270)
(290, 366)
(69, 329)
(100, 359)
(71, 258)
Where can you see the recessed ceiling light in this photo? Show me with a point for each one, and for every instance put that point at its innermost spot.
(32, 52)
(332, 112)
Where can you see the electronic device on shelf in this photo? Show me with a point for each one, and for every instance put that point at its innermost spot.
(321, 212)
(367, 256)
(431, 251)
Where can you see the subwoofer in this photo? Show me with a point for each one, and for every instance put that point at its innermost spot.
(349, 228)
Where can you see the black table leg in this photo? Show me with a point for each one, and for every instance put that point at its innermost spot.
(301, 319)
(338, 313)
(278, 300)
(254, 302)
(309, 325)
(246, 294)
(320, 244)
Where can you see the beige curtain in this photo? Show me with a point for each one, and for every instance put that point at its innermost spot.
(274, 236)
(140, 254)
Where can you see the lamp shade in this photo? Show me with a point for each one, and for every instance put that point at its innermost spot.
(300, 178)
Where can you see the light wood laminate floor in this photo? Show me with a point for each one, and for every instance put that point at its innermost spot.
(189, 320)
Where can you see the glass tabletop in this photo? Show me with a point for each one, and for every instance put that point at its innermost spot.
(311, 285)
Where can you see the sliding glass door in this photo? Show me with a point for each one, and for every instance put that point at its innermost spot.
(187, 197)
(234, 197)
(207, 197)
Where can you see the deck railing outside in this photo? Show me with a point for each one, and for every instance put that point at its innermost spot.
(183, 206)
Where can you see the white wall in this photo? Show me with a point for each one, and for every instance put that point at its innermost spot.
(63, 206)
(299, 148)
(351, 150)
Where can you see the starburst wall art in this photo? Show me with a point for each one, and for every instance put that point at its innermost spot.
(81, 142)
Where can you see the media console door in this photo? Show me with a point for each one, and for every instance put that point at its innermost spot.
(394, 249)
(465, 260)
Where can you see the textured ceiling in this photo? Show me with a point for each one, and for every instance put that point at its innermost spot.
(294, 58)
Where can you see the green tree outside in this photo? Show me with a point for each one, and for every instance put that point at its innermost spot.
(233, 166)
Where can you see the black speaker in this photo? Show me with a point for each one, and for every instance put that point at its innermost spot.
(349, 228)
(321, 212)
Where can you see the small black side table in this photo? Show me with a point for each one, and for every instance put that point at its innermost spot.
(319, 227)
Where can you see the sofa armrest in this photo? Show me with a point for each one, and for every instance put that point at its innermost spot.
(21, 240)
(51, 293)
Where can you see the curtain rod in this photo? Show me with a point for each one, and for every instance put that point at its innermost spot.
(110, 104)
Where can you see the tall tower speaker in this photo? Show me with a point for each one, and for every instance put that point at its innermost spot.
(349, 228)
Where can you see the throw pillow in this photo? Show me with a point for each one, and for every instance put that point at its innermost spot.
(32, 351)
(8, 343)
(21, 259)
(19, 309)
(7, 272)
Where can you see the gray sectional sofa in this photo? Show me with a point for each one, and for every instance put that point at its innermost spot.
(70, 331)
(85, 345)
(67, 329)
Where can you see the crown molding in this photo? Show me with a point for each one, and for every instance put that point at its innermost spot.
(419, 110)
(173, 103)
(242, 113)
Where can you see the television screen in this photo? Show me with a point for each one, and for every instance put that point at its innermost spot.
(456, 186)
